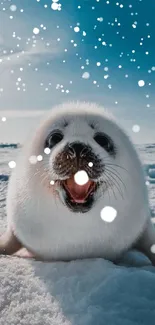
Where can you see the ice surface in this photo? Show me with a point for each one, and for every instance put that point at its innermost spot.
(84, 292)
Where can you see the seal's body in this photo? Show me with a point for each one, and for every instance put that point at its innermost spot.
(57, 219)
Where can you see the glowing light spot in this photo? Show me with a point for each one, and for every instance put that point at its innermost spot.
(108, 214)
(152, 249)
(147, 183)
(136, 128)
(52, 182)
(36, 30)
(33, 160)
(12, 164)
(3, 119)
(13, 8)
(81, 177)
(47, 151)
(76, 29)
(141, 83)
(90, 164)
(40, 158)
(98, 64)
(86, 75)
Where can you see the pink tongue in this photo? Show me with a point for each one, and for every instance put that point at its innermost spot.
(78, 192)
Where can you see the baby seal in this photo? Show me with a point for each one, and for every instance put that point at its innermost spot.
(54, 216)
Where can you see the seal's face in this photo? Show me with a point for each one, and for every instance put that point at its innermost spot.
(78, 143)
(78, 156)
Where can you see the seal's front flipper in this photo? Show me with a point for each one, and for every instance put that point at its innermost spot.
(146, 242)
(24, 253)
(9, 244)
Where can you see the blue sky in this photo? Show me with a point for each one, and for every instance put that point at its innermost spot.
(102, 62)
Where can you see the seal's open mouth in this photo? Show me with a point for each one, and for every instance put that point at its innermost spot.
(79, 193)
(79, 197)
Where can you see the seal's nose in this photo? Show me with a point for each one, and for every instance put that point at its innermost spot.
(77, 149)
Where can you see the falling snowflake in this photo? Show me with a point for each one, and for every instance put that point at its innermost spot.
(40, 158)
(108, 214)
(56, 6)
(81, 177)
(33, 160)
(100, 19)
(76, 29)
(86, 75)
(136, 128)
(141, 83)
(12, 164)
(13, 7)
(47, 151)
(36, 30)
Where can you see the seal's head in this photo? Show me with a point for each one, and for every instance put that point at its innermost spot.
(79, 151)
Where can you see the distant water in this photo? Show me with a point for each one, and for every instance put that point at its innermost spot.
(10, 145)
(10, 151)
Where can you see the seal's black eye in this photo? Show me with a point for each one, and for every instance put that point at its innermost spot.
(105, 142)
(54, 138)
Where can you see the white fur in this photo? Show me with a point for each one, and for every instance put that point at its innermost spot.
(45, 225)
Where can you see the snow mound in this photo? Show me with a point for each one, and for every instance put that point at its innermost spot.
(84, 292)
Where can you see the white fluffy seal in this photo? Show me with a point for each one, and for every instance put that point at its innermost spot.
(56, 219)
